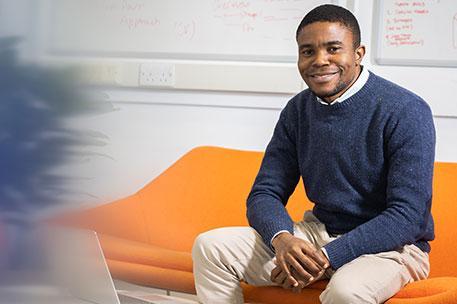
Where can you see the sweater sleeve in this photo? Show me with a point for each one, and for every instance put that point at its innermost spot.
(409, 153)
(275, 182)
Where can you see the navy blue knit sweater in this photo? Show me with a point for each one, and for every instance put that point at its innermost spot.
(366, 163)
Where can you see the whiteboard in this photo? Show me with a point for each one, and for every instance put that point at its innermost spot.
(259, 30)
(411, 32)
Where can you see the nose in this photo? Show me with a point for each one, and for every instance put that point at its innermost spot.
(321, 58)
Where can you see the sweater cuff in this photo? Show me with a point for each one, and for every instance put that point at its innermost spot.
(335, 253)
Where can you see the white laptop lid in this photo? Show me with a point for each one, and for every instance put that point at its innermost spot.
(77, 264)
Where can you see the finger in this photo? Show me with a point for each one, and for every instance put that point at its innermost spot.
(281, 278)
(289, 283)
(280, 261)
(320, 274)
(316, 254)
(302, 282)
(274, 273)
(308, 264)
(285, 268)
(300, 286)
(298, 268)
(319, 257)
(314, 278)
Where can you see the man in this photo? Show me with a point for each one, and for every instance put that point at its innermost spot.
(365, 150)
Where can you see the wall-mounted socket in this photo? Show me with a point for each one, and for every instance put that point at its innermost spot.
(157, 75)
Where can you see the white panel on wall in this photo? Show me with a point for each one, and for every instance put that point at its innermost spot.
(250, 30)
(437, 85)
(412, 32)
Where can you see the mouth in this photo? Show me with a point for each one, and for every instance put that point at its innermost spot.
(323, 77)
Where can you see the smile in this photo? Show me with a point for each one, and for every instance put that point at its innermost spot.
(323, 77)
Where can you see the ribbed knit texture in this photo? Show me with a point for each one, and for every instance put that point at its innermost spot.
(366, 163)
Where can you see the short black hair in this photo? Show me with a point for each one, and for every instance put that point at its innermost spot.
(332, 13)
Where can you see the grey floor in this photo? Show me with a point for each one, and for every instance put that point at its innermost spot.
(133, 287)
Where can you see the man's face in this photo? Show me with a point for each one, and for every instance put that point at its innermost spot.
(327, 61)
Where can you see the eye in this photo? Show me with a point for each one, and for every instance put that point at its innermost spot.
(307, 52)
(333, 49)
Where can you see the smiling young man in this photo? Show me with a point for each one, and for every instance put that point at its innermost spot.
(365, 150)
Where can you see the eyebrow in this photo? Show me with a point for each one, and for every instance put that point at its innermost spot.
(328, 43)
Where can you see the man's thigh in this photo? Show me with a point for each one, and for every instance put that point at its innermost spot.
(237, 251)
(377, 277)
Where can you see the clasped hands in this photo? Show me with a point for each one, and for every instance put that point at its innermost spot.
(298, 262)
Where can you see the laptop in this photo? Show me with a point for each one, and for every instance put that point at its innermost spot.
(78, 268)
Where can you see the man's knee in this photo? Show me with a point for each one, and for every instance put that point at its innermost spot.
(206, 245)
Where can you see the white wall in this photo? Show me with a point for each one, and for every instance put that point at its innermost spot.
(149, 129)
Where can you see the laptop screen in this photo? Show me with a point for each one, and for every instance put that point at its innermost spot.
(77, 265)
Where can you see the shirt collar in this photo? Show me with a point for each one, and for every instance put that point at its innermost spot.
(356, 86)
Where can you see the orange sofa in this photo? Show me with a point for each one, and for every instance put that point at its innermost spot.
(147, 237)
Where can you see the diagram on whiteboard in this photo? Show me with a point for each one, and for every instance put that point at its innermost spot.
(411, 32)
(402, 20)
(204, 29)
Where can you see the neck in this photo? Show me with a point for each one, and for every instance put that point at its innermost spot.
(330, 99)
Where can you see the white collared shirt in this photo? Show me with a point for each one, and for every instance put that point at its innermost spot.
(356, 86)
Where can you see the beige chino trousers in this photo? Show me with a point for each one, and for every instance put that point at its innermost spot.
(224, 257)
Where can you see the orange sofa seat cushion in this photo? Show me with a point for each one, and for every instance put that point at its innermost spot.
(153, 276)
(275, 295)
(432, 291)
(118, 249)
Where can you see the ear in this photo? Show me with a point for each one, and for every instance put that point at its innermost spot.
(359, 53)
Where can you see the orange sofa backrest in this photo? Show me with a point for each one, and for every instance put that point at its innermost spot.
(205, 189)
(443, 256)
(123, 218)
